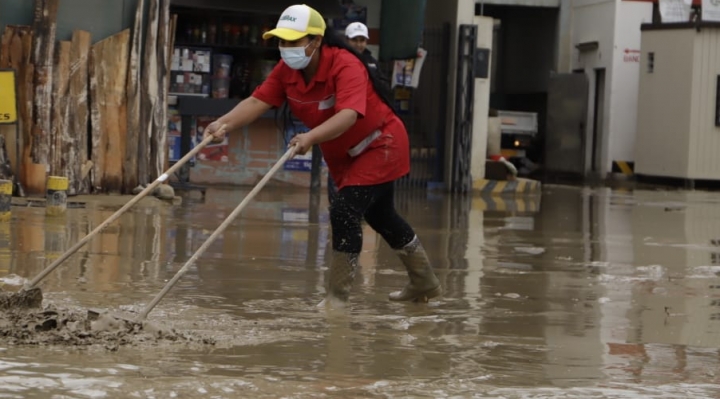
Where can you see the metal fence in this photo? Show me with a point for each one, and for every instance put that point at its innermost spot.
(425, 114)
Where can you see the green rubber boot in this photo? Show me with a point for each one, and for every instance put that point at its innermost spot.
(340, 279)
(423, 285)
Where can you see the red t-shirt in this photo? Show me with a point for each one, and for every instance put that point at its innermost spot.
(342, 82)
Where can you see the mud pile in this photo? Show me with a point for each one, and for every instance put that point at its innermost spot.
(21, 300)
(67, 327)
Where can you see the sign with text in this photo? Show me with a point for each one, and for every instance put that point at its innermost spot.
(631, 55)
(674, 10)
(711, 10)
(8, 99)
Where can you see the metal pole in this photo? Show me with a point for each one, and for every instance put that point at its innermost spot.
(315, 183)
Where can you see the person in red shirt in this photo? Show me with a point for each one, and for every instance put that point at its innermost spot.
(329, 88)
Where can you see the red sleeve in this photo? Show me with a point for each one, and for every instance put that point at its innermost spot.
(351, 86)
(272, 90)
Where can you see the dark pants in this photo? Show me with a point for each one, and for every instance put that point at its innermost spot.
(374, 203)
(332, 189)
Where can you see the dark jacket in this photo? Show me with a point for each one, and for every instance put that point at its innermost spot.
(375, 68)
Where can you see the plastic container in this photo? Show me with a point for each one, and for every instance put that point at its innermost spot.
(222, 65)
(220, 87)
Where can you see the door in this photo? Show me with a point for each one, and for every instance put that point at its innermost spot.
(598, 120)
(566, 127)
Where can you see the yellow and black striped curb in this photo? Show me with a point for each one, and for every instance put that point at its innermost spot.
(506, 204)
(499, 187)
(623, 167)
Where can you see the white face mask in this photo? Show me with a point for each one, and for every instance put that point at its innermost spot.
(295, 57)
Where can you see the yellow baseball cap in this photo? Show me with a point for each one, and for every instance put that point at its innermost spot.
(297, 22)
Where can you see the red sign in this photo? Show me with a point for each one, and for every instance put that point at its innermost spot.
(631, 55)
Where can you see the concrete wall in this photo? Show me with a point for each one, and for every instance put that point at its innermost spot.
(457, 13)
(615, 25)
(623, 93)
(102, 18)
(594, 21)
(482, 104)
(564, 43)
(527, 63)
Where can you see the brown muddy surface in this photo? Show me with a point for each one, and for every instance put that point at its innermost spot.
(584, 293)
(51, 325)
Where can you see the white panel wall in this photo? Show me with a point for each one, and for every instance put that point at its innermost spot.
(703, 160)
(665, 102)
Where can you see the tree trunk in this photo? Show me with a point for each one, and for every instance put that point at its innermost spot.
(132, 155)
(59, 135)
(108, 104)
(78, 122)
(44, 27)
(160, 122)
(149, 96)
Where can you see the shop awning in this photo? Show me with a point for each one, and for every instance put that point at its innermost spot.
(328, 8)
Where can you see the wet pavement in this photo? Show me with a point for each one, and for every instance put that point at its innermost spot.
(584, 293)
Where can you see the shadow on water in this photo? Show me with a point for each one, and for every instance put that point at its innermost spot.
(583, 293)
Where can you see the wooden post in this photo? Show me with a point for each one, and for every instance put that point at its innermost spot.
(44, 26)
(149, 96)
(108, 105)
(59, 134)
(78, 119)
(132, 154)
(16, 53)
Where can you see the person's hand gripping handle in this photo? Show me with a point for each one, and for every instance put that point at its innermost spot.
(217, 130)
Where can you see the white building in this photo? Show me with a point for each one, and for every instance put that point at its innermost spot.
(538, 43)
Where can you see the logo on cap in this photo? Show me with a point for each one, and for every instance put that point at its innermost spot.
(288, 18)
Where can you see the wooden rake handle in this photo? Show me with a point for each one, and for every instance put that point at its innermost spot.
(234, 214)
(35, 281)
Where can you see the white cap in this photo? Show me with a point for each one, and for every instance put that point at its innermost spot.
(356, 29)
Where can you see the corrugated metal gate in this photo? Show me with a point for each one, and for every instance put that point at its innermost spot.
(464, 108)
(426, 116)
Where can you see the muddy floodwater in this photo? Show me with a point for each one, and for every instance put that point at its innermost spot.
(580, 293)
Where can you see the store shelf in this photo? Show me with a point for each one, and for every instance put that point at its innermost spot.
(226, 46)
(189, 95)
(198, 106)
